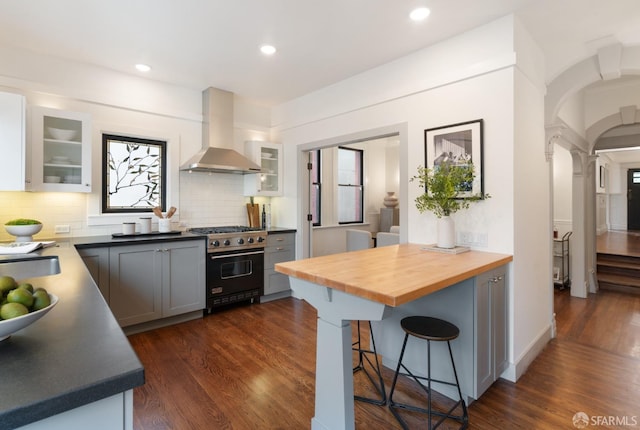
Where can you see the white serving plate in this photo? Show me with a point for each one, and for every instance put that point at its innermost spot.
(9, 327)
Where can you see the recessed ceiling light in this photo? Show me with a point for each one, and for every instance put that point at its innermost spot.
(268, 49)
(419, 14)
(143, 67)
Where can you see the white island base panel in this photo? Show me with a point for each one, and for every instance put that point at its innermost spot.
(112, 413)
(334, 403)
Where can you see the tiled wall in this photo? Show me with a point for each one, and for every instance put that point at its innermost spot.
(205, 200)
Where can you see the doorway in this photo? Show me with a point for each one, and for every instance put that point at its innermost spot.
(633, 199)
(397, 132)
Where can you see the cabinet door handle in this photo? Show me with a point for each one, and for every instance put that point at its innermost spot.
(279, 239)
(279, 248)
(496, 279)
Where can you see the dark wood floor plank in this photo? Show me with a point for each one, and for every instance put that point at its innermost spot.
(254, 367)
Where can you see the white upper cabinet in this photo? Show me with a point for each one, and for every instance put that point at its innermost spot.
(60, 150)
(269, 157)
(12, 142)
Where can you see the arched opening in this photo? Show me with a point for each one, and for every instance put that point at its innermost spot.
(590, 113)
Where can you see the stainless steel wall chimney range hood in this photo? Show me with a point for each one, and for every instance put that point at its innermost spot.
(217, 136)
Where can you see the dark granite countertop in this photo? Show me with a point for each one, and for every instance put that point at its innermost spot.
(102, 241)
(74, 355)
(279, 230)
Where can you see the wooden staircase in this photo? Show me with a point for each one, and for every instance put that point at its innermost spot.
(618, 272)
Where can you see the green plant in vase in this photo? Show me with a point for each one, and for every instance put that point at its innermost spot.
(448, 189)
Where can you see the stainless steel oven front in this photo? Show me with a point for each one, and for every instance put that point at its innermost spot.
(234, 276)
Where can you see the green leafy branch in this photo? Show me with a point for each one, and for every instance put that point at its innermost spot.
(447, 187)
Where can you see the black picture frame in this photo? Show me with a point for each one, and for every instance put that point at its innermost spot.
(463, 138)
(602, 177)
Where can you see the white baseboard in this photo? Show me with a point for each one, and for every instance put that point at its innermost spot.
(517, 369)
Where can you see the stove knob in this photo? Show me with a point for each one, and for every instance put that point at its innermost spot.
(240, 241)
(260, 239)
(250, 240)
(227, 242)
(216, 243)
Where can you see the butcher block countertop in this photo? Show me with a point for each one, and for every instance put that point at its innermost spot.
(392, 275)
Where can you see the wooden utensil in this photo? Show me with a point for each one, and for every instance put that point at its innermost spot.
(158, 212)
(253, 214)
(172, 210)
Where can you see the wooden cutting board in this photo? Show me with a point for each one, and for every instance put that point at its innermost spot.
(253, 214)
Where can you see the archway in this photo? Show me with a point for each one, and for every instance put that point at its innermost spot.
(610, 62)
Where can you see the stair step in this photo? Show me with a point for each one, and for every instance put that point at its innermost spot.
(618, 280)
(618, 273)
(619, 264)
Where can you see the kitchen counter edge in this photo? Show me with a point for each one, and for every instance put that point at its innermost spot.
(76, 354)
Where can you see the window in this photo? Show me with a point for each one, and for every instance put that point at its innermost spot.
(350, 189)
(316, 187)
(133, 174)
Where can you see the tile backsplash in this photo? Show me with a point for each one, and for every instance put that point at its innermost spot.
(204, 200)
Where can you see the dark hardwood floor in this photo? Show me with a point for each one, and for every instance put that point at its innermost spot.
(252, 367)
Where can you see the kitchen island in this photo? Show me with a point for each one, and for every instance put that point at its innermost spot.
(74, 368)
(384, 284)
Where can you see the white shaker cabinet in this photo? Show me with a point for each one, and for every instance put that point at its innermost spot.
(12, 142)
(269, 157)
(60, 150)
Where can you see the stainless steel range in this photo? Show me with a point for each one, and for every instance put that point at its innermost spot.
(235, 264)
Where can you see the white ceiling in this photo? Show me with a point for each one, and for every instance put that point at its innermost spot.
(202, 43)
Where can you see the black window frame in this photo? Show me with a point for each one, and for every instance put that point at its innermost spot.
(106, 138)
(317, 183)
(361, 185)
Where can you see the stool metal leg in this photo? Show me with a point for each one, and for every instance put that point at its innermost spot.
(363, 356)
(462, 419)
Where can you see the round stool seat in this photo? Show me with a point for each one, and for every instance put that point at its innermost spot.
(429, 328)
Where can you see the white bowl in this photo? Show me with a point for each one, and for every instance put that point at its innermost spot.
(8, 327)
(61, 133)
(72, 179)
(23, 233)
(52, 179)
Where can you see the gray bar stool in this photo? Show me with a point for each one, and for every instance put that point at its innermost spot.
(430, 329)
(364, 356)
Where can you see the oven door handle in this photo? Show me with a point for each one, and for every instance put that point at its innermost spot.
(214, 256)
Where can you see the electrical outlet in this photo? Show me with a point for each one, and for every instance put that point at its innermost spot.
(482, 239)
(465, 237)
(59, 229)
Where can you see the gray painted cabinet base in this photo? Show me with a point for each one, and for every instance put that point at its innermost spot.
(279, 248)
(112, 413)
(147, 282)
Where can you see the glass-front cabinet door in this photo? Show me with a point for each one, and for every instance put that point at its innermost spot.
(269, 157)
(60, 150)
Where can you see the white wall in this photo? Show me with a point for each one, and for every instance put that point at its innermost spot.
(607, 99)
(468, 77)
(572, 113)
(126, 104)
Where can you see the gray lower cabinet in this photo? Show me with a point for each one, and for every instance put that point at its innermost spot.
(280, 247)
(146, 282)
(152, 281)
(490, 328)
(97, 261)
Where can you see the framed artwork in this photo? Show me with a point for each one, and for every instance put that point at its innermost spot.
(133, 174)
(457, 143)
(602, 177)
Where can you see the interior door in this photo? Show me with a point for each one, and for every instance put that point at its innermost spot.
(633, 199)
